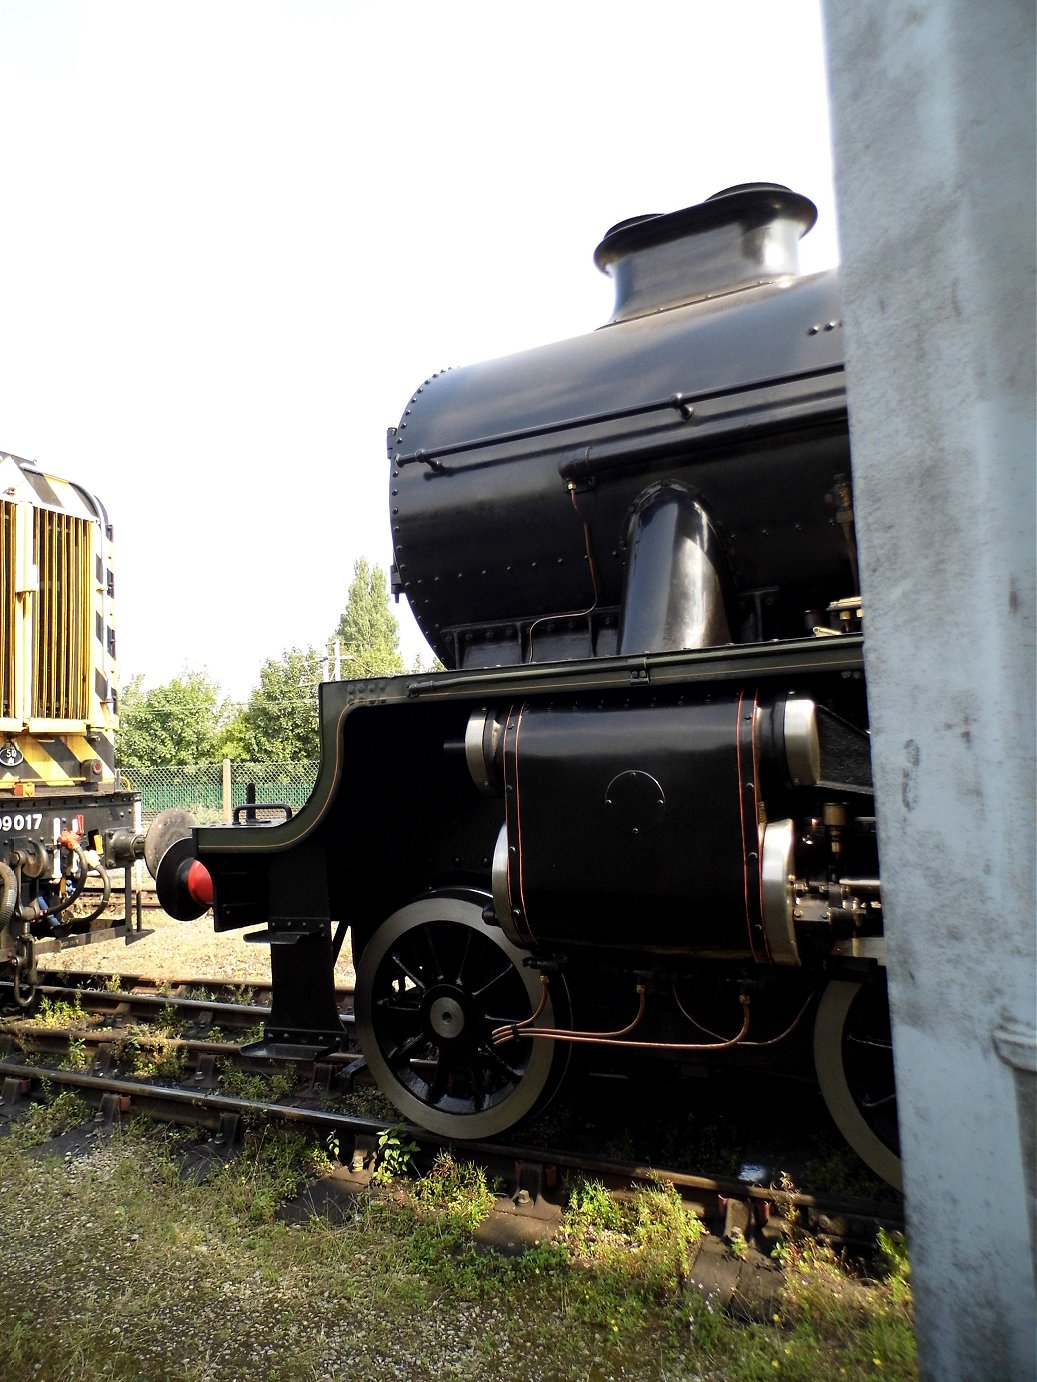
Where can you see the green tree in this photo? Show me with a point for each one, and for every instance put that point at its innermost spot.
(279, 723)
(177, 723)
(367, 630)
(230, 742)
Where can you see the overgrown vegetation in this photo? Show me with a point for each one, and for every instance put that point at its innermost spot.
(263, 1086)
(43, 1121)
(634, 1251)
(61, 1013)
(210, 1281)
(155, 1059)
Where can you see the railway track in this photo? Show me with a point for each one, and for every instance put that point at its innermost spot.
(243, 992)
(181, 1055)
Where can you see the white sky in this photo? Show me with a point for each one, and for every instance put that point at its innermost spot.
(237, 233)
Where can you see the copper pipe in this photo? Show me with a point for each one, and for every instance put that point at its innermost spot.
(503, 1034)
(771, 1041)
(512, 1029)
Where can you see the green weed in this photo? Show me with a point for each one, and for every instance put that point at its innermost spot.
(456, 1189)
(393, 1156)
(737, 1247)
(59, 1012)
(262, 1087)
(157, 1060)
(896, 1267)
(272, 1167)
(169, 1023)
(77, 1057)
(592, 1210)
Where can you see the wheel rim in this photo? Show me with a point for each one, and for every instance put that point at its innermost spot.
(853, 1056)
(432, 984)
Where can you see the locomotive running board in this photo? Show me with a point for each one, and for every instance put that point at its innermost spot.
(840, 653)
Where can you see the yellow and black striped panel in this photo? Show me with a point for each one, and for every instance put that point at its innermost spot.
(56, 760)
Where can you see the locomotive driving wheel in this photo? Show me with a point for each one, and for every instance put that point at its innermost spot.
(432, 984)
(853, 1057)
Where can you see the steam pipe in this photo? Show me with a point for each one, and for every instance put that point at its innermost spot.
(673, 596)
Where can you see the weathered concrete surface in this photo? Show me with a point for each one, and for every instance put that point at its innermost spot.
(933, 119)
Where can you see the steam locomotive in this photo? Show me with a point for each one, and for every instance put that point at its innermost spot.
(636, 810)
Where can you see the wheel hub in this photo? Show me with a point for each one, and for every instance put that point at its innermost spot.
(445, 1016)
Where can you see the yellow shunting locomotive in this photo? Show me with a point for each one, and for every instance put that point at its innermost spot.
(65, 819)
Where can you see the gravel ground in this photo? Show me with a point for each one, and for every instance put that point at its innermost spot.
(180, 950)
(137, 1275)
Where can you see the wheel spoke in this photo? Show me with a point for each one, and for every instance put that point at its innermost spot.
(400, 1053)
(395, 1004)
(463, 960)
(478, 993)
(440, 1076)
(415, 979)
(475, 1084)
(437, 968)
(493, 1057)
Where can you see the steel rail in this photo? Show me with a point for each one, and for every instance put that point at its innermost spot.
(107, 1000)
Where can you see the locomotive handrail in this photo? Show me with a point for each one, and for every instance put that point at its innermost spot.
(247, 811)
(430, 458)
(684, 403)
(602, 458)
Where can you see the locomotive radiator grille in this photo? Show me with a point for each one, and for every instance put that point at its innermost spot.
(7, 623)
(61, 650)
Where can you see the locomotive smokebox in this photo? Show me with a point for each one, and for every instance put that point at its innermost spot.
(663, 483)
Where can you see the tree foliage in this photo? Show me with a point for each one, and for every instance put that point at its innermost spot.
(178, 723)
(279, 723)
(185, 721)
(367, 629)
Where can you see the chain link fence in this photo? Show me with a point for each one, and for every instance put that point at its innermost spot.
(211, 790)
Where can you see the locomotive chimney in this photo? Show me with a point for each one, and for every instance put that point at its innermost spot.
(738, 238)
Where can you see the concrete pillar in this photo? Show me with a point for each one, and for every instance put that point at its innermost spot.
(933, 124)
